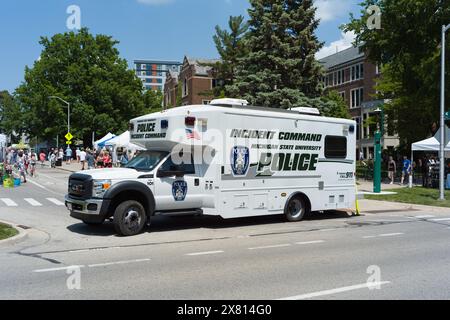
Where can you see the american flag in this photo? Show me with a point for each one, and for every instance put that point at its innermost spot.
(192, 134)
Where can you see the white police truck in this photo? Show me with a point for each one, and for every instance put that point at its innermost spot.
(227, 159)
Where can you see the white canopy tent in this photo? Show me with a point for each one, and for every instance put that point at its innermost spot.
(123, 141)
(433, 143)
(101, 143)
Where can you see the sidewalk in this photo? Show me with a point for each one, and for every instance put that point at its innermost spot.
(74, 166)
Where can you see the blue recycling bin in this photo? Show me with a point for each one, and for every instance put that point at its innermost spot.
(448, 182)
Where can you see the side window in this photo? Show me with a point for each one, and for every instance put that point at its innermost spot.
(335, 147)
(187, 168)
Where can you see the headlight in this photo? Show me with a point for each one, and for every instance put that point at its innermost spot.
(100, 187)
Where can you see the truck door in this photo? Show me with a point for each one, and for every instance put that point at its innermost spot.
(176, 193)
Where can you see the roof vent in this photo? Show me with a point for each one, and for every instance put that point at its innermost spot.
(229, 102)
(305, 110)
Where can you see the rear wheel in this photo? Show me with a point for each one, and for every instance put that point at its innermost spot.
(129, 218)
(296, 209)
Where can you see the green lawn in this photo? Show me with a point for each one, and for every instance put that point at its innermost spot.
(416, 195)
(7, 231)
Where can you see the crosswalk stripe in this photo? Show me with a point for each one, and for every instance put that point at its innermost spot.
(9, 202)
(33, 202)
(441, 219)
(55, 201)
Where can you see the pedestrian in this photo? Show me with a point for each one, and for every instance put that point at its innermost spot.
(21, 167)
(392, 169)
(68, 155)
(425, 171)
(100, 160)
(42, 158)
(53, 159)
(90, 160)
(82, 158)
(406, 171)
(33, 162)
(77, 153)
(124, 158)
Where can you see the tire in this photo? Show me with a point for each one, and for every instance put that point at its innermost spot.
(129, 218)
(296, 209)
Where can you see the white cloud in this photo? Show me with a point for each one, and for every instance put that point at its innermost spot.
(328, 10)
(343, 43)
(155, 2)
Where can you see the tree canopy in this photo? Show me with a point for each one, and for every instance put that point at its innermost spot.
(280, 68)
(408, 48)
(86, 71)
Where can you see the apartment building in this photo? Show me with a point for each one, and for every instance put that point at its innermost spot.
(353, 76)
(153, 73)
(197, 80)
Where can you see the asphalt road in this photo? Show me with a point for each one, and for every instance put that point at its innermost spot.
(379, 255)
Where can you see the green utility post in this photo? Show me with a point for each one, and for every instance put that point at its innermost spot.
(377, 150)
(377, 163)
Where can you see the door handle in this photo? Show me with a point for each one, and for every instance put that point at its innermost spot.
(196, 182)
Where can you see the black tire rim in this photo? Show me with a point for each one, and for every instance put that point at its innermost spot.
(295, 209)
(132, 219)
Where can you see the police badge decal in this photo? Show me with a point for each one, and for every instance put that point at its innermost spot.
(179, 190)
(240, 159)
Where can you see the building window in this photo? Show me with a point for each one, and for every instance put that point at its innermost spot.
(357, 72)
(357, 97)
(342, 94)
(143, 66)
(185, 87)
(335, 147)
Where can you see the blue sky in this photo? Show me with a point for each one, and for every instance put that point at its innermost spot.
(153, 29)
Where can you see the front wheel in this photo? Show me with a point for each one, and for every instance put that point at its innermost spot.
(129, 218)
(296, 209)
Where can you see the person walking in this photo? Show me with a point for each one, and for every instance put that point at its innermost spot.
(82, 158)
(124, 158)
(53, 159)
(90, 160)
(21, 167)
(77, 153)
(392, 169)
(68, 155)
(406, 171)
(33, 162)
(42, 158)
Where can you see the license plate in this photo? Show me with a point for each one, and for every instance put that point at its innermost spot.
(69, 206)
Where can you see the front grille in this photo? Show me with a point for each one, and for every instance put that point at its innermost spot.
(80, 186)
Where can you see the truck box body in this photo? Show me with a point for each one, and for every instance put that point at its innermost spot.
(249, 161)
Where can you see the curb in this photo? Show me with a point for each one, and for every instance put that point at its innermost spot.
(22, 233)
(408, 206)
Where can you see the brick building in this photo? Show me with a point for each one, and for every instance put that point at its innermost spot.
(353, 76)
(196, 82)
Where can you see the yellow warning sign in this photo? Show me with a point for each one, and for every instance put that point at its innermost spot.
(68, 136)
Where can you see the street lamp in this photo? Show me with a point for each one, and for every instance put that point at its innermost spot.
(442, 146)
(68, 110)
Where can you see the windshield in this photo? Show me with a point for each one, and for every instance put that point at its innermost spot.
(147, 160)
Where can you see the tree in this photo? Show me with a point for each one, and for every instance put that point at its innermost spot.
(152, 101)
(408, 47)
(333, 105)
(280, 68)
(230, 46)
(85, 70)
(11, 118)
